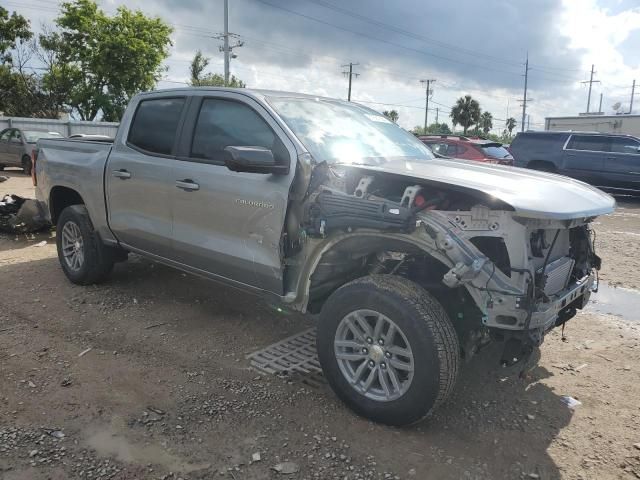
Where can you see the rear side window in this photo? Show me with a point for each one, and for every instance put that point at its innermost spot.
(624, 145)
(155, 124)
(4, 136)
(592, 143)
(440, 148)
(224, 123)
(495, 151)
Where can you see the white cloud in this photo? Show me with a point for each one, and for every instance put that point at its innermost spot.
(286, 52)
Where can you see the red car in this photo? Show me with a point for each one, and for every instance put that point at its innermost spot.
(466, 148)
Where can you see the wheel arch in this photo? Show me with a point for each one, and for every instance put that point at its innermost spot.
(349, 256)
(61, 197)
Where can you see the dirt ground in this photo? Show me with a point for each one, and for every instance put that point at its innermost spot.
(166, 391)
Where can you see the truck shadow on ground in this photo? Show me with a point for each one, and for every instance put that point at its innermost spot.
(495, 425)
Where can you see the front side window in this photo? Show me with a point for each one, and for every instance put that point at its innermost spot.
(347, 133)
(223, 123)
(624, 145)
(594, 143)
(155, 125)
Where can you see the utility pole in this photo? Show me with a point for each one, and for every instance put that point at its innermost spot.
(226, 42)
(428, 93)
(350, 74)
(524, 99)
(600, 107)
(591, 81)
(226, 48)
(437, 111)
(633, 92)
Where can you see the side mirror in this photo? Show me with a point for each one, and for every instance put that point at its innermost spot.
(253, 160)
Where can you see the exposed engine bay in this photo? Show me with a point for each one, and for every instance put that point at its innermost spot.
(499, 275)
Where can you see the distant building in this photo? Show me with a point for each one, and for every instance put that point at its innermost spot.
(626, 124)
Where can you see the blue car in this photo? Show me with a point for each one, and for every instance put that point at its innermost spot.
(607, 161)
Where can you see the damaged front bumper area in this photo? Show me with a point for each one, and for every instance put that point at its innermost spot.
(544, 276)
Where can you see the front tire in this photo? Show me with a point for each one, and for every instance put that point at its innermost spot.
(84, 258)
(388, 349)
(26, 165)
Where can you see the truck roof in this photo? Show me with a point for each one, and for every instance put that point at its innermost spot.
(252, 92)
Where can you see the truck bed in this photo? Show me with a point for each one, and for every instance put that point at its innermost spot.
(78, 165)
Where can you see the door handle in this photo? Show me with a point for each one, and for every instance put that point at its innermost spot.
(122, 174)
(187, 184)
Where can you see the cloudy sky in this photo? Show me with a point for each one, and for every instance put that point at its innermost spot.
(467, 46)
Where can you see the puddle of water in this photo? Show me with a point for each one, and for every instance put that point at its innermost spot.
(622, 302)
(109, 442)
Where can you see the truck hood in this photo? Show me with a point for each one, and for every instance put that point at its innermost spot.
(531, 194)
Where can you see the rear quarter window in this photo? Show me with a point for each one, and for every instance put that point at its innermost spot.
(155, 125)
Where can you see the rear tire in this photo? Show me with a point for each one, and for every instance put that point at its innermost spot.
(84, 258)
(424, 342)
(26, 164)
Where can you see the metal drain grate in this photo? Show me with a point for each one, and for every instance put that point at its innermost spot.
(295, 357)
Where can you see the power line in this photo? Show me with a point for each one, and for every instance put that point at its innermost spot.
(411, 34)
(397, 45)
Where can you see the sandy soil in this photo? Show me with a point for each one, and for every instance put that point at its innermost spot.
(166, 391)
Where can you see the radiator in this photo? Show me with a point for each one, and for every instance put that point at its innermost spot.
(558, 273)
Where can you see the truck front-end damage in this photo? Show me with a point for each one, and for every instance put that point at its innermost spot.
(500, 274)
(526, 276)
(415, 263)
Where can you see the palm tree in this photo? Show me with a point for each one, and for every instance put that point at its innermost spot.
(511, 124)
(465, 112)
(486, 122)
(391, 115)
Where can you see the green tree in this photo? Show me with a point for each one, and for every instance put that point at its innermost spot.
(13, 28)
(105, 60)
(439, 129)
(201, 79)
(511, 124)
(465, 112)
(433, 129)
(486, 122)
(391, 115)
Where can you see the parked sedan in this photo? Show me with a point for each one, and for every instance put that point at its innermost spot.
(16, 145)
(456, 146)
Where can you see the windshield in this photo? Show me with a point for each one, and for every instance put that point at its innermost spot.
(496, 151)
(337, 132)
(33, 136)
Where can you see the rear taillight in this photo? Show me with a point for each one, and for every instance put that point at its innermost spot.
(34, 157)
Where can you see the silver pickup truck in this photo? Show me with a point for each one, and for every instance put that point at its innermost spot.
(413, 263)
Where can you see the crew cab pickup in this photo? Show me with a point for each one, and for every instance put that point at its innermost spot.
(413, 263)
